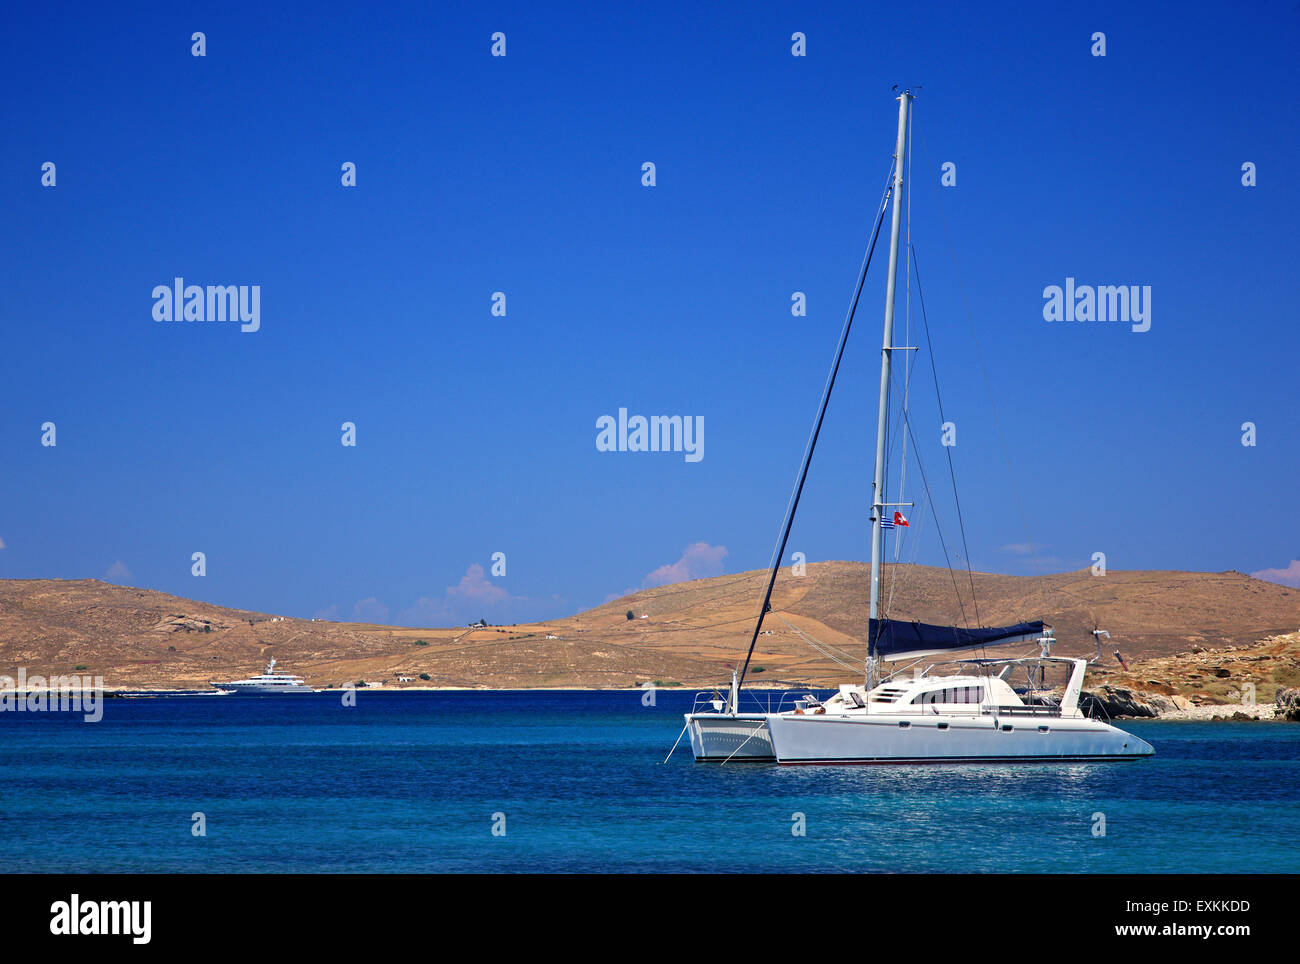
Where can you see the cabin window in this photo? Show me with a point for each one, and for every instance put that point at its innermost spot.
(1007, 727)
(903, 724)
(1044, 729)
(952, 694)
(943, 726)
(886, 695)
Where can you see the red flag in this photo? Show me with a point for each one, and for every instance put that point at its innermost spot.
(900, 519)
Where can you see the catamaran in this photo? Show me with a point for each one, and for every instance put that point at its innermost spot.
(973, 715)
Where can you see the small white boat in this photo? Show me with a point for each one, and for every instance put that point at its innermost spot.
(270, 683)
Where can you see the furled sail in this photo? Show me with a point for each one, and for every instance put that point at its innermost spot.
(899, 639)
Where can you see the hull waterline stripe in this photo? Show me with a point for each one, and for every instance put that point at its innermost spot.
(1117, 757)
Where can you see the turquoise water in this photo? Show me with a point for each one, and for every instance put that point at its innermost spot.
(410, 782)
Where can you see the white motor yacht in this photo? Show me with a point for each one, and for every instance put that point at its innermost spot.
(271, 682)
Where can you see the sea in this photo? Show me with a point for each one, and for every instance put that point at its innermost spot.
(576, 781)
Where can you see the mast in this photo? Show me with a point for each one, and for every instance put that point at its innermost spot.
(886, 351)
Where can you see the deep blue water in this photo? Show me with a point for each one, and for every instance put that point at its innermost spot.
(409, 782)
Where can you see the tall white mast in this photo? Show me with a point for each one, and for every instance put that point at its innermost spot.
(886, 351)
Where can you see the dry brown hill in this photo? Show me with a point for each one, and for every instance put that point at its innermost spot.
(692, 635)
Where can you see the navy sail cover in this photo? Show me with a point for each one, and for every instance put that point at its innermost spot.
(895, 638)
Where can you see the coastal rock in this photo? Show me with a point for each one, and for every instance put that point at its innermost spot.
(1220, 712)
(1288, 704)
(1117, 701)
(1160, 703)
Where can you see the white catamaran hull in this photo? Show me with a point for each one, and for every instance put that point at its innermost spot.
(727, 736)
(890, 738)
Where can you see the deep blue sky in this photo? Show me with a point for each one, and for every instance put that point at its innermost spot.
(523, 174)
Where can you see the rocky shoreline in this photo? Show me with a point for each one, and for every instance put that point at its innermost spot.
(1257, 681)
(1118, 702)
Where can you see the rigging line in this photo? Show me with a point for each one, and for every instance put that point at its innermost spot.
(825, 649)
(675, 742)
(900, 573)
(979, 352)
(779, 554)
(907, 327)
(925, 482)
(757, 730)
(904, 669)
(907, 374)
(988, 387)
(908, 567)
(910, 536)
(817, 643)
(934, 511)
(961, 522)
(907, 377)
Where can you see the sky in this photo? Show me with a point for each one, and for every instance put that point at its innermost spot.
(476, 432)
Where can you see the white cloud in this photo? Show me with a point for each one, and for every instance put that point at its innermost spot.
(118, 572)
(474, 597)
(476, 587)
(699, 561)
(1290, 576)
